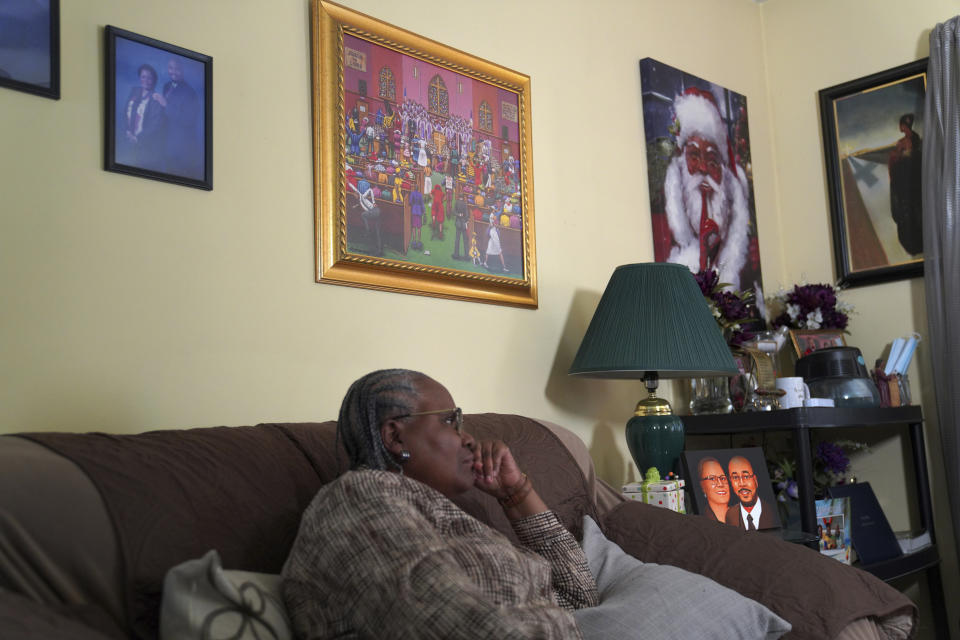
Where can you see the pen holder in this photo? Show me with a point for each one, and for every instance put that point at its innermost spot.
(894, 388)
(903, 382)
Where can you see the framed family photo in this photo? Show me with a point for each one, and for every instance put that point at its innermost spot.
(30, 46)
(423, 177)
(873, 134)
(833, 528)
(732, 486)
(806, 341)
(159, 110)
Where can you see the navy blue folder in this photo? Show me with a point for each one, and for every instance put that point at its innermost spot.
(873, 538)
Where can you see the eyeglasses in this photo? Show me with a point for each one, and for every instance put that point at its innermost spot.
(742, 476)
(715, 480)
(455, 418)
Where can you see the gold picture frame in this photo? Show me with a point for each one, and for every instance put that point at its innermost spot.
(807, 341)
(396, 115)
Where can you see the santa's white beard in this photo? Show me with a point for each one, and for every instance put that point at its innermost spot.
(718, 208)
(727, 205)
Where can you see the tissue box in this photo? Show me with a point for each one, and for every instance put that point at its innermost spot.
(663, 493)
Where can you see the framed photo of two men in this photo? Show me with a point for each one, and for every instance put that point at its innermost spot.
(159, 110)
(732, 486)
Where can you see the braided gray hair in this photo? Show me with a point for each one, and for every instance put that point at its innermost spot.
(370, 400)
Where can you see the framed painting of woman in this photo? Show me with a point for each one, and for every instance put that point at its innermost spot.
(873, 143)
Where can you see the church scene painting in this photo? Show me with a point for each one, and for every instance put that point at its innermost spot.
(432, 164)
(700, 175)
(873, 134)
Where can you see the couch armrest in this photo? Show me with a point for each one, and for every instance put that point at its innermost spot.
(24, 619)
(602, 494)
(816, 594)
(57, 544)
(551, 465)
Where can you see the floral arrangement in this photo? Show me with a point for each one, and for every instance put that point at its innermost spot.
(830, 465)
(811, 306)
(732, 309)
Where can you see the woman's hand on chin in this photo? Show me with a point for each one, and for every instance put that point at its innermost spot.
(494, 469)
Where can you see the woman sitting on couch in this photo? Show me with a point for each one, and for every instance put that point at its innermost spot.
(382, 551)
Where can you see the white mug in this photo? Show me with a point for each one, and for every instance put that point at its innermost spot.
(795, 392)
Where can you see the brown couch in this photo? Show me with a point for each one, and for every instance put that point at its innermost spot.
(90, 523)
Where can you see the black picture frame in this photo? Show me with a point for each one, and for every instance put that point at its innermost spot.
(769, 517)
(860, 121)
(30, 39)
(167, 138)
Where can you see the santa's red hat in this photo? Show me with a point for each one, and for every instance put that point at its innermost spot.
(698, 115)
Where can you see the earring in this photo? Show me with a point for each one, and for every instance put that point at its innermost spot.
(404, 457)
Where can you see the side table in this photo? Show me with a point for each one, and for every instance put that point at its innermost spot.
(801, 422)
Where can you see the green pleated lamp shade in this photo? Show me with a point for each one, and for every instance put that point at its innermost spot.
(653, 317)
(653, 322)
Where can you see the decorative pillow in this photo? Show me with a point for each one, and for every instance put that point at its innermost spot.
(202, 601)
(645, 600)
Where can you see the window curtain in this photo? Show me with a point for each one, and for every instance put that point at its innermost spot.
(941, 243)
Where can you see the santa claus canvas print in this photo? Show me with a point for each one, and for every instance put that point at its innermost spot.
(700, 175)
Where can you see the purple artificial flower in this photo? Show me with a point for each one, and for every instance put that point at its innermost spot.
(810, 298)
(731, 306)
(792, 490)
(804, 297)
(782, 320)
(737, 338)
(707, 280)
(826, 298)
(833, 457)
(834, 319)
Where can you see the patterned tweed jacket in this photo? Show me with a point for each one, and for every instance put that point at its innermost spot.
(381, 555)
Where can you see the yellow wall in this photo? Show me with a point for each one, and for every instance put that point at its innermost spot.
(129, 304)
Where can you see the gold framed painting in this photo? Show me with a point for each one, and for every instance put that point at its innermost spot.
(423, 174)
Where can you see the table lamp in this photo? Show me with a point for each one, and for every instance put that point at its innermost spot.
(653, 322)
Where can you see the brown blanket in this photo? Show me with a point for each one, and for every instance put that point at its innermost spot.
(818, 595)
